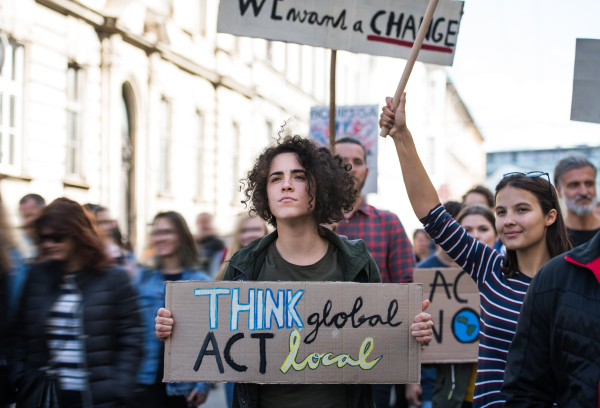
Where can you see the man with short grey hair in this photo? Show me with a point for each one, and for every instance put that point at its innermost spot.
(575, 181)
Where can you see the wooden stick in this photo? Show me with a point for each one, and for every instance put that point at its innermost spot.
(412, 58)
(332, 101)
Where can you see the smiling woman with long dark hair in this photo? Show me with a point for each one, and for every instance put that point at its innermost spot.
(78, 319)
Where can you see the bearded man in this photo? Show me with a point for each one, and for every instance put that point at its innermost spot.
(575, 181)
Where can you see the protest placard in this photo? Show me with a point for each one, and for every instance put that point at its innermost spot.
(359, 122)
(292, 332)
(377, 27)
(454, 309)
(585, 106)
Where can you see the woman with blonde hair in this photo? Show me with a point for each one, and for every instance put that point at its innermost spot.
(247, 229)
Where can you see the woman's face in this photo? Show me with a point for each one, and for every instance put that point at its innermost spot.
(480, 228)
(421, 243)
(104, 222)
(251, 230)
(55, 246)
(520, 220)
(164, 237)
(287, 188)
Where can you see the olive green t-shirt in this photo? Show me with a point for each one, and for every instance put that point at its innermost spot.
(276, 268)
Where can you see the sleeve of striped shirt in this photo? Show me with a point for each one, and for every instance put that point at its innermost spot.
(475, 258)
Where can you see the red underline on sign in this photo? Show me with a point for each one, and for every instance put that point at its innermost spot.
(409, 44)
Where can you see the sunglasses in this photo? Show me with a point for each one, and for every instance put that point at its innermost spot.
(55, 238)
(535, 174)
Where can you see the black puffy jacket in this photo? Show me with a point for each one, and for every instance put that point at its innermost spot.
(555, 354)
(112, 332)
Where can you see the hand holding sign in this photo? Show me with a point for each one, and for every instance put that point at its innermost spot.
(164, 324)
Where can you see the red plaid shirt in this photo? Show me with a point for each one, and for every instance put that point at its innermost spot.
(386, 239)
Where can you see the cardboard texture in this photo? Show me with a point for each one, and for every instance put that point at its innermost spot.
(377, 27)
(215, 340)
(585, 106)
(360, 122)
(454, 309)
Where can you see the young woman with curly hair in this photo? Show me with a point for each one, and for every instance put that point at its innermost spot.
(297, 187)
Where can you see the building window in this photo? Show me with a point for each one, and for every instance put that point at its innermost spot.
(165, 144)
(202, 17)
(11, 108)
(269, 50)
(235, 157)
(269, 131)
(199, 152)
(74, 115)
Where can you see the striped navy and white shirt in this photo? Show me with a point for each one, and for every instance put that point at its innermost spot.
(64, 327)
(500, 299)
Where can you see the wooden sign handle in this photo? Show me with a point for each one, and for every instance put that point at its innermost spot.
(412, 58)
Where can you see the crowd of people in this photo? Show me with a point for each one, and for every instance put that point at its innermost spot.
(82, 319)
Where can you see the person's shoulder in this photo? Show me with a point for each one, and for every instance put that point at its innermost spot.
(554, 274)
(430, 262)
(118, 273)
(388, 218)
(197, 274)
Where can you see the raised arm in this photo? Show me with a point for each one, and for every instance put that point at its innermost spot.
(421, 191)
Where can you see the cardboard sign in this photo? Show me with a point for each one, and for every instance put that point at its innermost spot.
(585, 106)
(377, 27)
(454, 309)
(293, 332)
(359, 122)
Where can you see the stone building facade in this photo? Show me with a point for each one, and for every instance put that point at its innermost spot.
(139, 105)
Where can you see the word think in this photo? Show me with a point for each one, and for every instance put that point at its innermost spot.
(262, 307)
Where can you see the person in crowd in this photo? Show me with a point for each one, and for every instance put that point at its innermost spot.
(555, 354)
(117, 248)
(175, 258)
(440, 259)
(421, 244)
(210, 246)
(78, 318)
(13, 274)
(455, 383)
(247, 230)
(530, 223)
(575, 180)
(479, 195)
(297, 187)
(30, 207)
(384, 237)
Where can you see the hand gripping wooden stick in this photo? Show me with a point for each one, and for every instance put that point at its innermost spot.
(412, 58)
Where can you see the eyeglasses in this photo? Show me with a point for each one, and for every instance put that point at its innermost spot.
(535, 174)
(55, 238)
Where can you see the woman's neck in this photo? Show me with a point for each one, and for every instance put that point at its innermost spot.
(170, 265)
(531, 260)
(73, 265)
(299, 242)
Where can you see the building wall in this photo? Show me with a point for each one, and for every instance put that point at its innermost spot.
(243, 89)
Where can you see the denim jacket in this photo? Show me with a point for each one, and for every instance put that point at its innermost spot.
(150, 285)
(17, 277)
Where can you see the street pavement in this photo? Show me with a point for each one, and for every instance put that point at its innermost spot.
(216, 398)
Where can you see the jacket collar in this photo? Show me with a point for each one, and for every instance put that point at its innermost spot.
(352, 257)
(587, 255)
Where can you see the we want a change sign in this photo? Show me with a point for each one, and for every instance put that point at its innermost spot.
(292, 332)
(454, 309)
(377, 27)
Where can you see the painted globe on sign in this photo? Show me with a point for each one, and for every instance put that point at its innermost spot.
(465, 325)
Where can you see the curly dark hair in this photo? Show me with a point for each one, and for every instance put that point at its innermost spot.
(330, 184)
